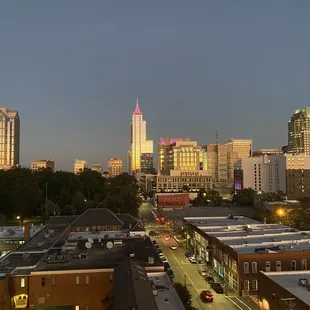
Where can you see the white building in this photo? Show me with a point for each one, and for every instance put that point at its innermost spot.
(264, 174)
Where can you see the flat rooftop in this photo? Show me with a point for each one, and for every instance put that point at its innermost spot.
(248, 236)
(289, 280)
(167, 297)
(17, 232)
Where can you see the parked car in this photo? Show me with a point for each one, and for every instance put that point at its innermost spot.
(166, 266)
(164, 259)
(188, 254)
(173, 247)
(202, 272)
(161, 254)
(217, 287)
(206, 296)
(154, 242)
(159, 250)
(170, 273)
(192, 259)
(209, 279)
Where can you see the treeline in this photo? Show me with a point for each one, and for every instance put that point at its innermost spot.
(23, 193)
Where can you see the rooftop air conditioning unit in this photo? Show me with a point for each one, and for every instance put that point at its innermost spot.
(303, 282)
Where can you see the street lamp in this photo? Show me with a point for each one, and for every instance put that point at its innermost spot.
(280, 212)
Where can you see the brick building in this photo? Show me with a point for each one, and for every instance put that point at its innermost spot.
(238, 248)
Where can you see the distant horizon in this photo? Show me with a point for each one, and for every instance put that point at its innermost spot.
(73, 70)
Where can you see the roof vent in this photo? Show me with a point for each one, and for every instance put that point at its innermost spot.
(303, 282)
(26, 255)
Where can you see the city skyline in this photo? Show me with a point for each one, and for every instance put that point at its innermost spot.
(226, 67)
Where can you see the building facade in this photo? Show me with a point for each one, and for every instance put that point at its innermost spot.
(147, 164)
(261, 152)
(43, 164)
(243, 147)
(263, 174)
(79, 166)
(139, 142)
(115, 166)
(299, 132)
(9, 138)
(97, 168)
(179, 180)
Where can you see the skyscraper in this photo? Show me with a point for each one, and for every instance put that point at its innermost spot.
(80, 166)
(9, 138)
(139, 144)
(299, 132)
(115, 166)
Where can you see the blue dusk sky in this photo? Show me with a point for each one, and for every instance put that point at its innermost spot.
(73, 70)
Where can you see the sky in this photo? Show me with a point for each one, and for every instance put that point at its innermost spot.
(73, 69)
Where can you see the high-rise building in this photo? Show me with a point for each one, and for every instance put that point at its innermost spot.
(139, 142)
(180, 154)
(43, 164)
(79, 166)
(241, 146)
(147, 164)
(221, 160)
(261, 152)
(165, 153)
(299, 132)
(9, 138)
(97, 168)
(115, 166)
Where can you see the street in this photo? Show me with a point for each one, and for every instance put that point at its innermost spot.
(186, 272)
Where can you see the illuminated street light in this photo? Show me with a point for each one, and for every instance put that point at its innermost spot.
(280, 212)
(18, 217)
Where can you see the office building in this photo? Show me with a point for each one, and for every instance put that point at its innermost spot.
(265, 173)
(97, 168)
(139, 143)
(261, 152)
(43, 164)
(297, 176)
(79, 166)
(238, 248)
(165, 153)
(9, 138)
(179, 180)
(299, 132)
(243, 147)
(180, 154)
(115, 166)
(147, 164)
(103, 258)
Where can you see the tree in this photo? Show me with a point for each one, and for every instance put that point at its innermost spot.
(184, 295)
(65, 198)
(245, 197)
(79, 202)
(68, 210)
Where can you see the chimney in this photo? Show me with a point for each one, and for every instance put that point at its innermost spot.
(27, 227)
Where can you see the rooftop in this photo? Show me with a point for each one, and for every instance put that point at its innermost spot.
(289, 280)
(16, 232)
(248, 236)
(167, 297)
(97, 217)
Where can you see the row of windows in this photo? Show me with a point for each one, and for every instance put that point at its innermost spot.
(246, 266)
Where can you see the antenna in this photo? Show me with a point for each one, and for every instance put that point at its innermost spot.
(88, 245)
(216, 137)
(110, 245)
(90, 240)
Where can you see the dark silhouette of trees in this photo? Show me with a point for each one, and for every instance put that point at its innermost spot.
(23, 192)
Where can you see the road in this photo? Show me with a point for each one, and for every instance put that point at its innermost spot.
(186, 272)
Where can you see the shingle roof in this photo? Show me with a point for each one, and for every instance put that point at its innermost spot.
(97, 217)
(128, 220)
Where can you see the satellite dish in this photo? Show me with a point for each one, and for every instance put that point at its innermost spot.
(88, 245)
(90, 240)
(110, 245)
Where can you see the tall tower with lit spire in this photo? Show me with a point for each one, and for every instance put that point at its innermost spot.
(140, 146)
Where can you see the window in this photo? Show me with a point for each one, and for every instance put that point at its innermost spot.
(77, 307)
(267, 266)
(278, 265)
(53, 281)
(43, 281)
(246, 285)
(254, 267)
(41, 300)
(254, 285)
(77, 280)
(304, 264)
(22, 282)
(86, 307)
(105, 228)
(86, 279)
(246, 267)
(293, 265)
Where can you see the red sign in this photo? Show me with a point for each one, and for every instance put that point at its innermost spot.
(173, 200)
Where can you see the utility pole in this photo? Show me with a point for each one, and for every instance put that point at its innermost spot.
(185, 279)
(46, 211)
